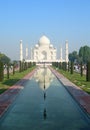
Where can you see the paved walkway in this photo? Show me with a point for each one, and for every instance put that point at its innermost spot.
(8, 96)
(82, 98)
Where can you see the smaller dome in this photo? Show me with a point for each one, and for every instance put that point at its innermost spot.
(44, 41)
(51, 46)
(36, 45)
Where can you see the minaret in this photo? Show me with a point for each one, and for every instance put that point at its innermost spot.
(21, 51)
(26, 53)
(66, 52)
(31, 53)
(61, 54)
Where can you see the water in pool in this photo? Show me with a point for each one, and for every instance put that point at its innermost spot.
(44, 104)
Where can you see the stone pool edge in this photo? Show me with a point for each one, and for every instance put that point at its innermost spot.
(7, 98)
(81, 97)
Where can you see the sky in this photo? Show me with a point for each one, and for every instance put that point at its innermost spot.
(28, 20)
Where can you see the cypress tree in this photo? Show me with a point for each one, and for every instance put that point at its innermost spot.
(64, 66)
(25, 66)
(7, 71)
(1, 72)
(54, 64)
(59, 65)
(68, 66)
(13, 69)
(81, 69)
(72, 67)
(88, 72)
(28, 64)
(20, 66)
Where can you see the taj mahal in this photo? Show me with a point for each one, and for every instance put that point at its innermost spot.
(44, 51)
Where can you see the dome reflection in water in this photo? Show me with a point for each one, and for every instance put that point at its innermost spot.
(44, 77)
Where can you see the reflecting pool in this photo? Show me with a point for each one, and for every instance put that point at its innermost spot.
(44, 104)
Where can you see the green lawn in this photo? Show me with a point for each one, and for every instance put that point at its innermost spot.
(13, 79)
(77, 79)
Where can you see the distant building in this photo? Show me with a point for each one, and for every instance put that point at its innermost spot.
(44, 51)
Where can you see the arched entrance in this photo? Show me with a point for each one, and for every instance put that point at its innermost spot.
(44, 55)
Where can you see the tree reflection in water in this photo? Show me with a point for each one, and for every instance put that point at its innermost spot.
(44, 95)
(44, 114)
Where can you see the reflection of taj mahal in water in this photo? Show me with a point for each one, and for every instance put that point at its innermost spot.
(44, 77)
(44, 51)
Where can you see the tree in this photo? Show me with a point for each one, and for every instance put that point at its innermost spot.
(72, 64)
(7, 71)
(84, 54)
(73, 56)
(64, 66)
(81, 70)
(88, 72)
(5, 59)
(1, 71)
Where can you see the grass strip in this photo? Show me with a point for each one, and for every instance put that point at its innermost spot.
(77, 80)
(13, 79)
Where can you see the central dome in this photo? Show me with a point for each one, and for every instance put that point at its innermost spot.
(44, 41)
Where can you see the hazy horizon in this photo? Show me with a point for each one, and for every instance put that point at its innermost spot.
(28, 20)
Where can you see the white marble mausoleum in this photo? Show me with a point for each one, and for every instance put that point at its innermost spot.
(44, 51)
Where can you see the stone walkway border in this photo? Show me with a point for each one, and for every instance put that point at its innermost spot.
(9, 95)
(82, 98)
